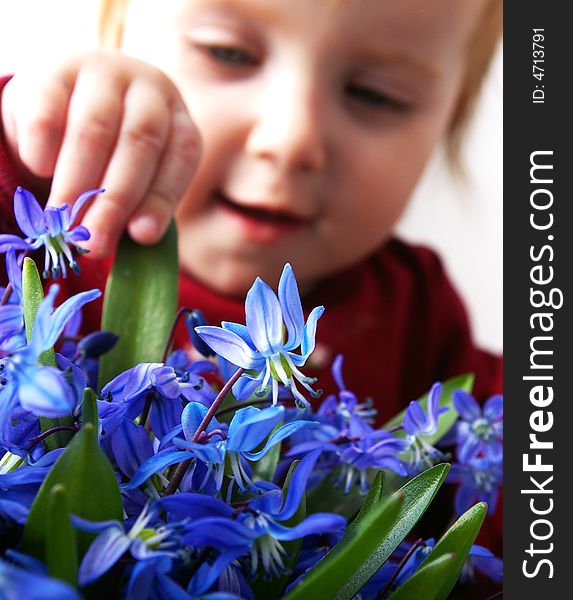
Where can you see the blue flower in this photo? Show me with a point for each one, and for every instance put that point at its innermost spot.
(343, 410)
(256, 526)
(19, 483)
(260, 346)
(479, 433)
(483, 561)
(112, 543)
(247, 430)
(19, 583)
(127, 394)
(51, 228)
(418, 424)
(43, 391)
(480, 482)
(377, 450)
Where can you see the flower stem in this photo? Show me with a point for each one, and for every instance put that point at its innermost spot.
(6, 295)
(183, 466)
(182, 311)
(397, 570)
(35, 441)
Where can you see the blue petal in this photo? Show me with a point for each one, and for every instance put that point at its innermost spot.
(14, 274)
(18, 583)
(264, 318)
(104, 552)
(165, 414)
(192, 416)
(29, 214)
(337, 372)
(297, 485)
(47, 326)
(414, 418)
(247, 385)
(80, 201)
(493, 408)
(230, 346)
(220, 533)
(291, 307)
(153, 465)
(9, 241)
(467, 448)
(433, 408)
(308, 339)
(208, 574)
(279, 435)
(95, 526)
(45, 392)
(241, 331)
(131, 447)
(209, 453)
(466, 405)
(55, 219)
(77, 234)
(195, 506)
(317, 523)
(164, 379)
(250, 426)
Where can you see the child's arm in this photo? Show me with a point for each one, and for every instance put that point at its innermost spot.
(104, 120)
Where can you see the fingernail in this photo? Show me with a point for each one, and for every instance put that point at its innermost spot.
(145, 229)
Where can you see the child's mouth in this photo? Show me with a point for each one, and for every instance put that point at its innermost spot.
(258, 223)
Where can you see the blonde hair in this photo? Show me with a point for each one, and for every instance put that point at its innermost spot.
(481, 49)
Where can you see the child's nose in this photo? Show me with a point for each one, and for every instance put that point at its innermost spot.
(288, 128)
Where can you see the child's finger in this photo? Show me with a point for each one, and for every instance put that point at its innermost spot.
(93, 122)
(140, 145)
(173, 175)
(38, 117)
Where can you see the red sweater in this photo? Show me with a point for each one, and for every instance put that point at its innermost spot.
(395, 316)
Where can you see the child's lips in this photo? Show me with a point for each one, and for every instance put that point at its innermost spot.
(258, 222)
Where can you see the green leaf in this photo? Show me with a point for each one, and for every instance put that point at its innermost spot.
(273, 588)
(32, 296)
(457, 540)
(61, 543)
(326, 497)
(91, 487)
(370, 503)
(355, 559)
(448, 418)
(139, 303)
(425, 583)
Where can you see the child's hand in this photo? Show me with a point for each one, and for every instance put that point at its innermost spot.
(105, 120)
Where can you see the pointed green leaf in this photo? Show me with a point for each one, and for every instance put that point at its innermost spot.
(370, 503)
(61, 543)
(355, 559)
(139, 303)
(425, 584)
(457, 540)
(32, 296)
(448, 418)
(273, 588)
(91, 487)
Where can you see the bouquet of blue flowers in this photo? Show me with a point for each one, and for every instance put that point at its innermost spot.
(129, 471)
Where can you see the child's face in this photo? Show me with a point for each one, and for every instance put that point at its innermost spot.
(317, 118)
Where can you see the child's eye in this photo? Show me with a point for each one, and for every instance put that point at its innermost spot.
(373, 97)
(232, 56)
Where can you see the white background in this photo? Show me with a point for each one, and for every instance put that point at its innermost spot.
(461, 219)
